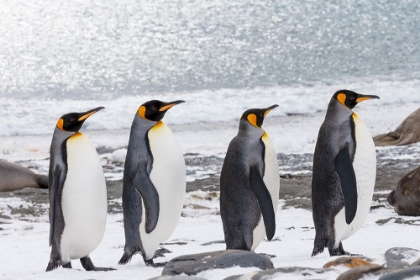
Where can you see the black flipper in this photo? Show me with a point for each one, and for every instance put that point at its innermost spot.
(264, 200)
(56, 189)
(345, 171)
(147, 190)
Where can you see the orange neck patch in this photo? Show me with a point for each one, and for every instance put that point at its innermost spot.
(158, 125)
(77, 134)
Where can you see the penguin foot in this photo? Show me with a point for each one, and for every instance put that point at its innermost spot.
(125, 258)
(152, 264)
(89, 266)
(53, 264)
(340, 251)
(67, 265)
(319, 244)
(317, 251)
(161, 252)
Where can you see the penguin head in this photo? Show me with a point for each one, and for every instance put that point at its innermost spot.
(72, 122)
(154, 110)
(255, 117)
(350, 98)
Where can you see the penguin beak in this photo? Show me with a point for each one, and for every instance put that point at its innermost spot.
(362, 97)
(89, 113)
(167, 106)
(267, 110)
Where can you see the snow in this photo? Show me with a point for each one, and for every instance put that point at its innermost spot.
(26, 243)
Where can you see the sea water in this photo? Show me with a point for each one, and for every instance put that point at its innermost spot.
(222, 57)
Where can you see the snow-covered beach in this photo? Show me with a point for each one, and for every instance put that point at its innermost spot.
(221, 57)
(24, 219)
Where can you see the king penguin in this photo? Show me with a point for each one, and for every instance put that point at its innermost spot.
(154, 183)
(78, 197)
(249, 184)
(344, 171)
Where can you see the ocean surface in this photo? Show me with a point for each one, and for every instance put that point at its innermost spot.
(222, 57)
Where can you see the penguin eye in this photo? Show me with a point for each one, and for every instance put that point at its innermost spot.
(351, 98)
(72, 119)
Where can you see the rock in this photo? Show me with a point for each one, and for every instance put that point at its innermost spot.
(400, 274)
(193, 264)
(347, 261)
(406, 196)
(406, 133)
(359, 272)
(400, 257)
(278, 272)
(213, 242)
(104, 150)
(177, 277)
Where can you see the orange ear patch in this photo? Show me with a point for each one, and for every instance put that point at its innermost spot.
(252, 118)
(341, 97)
(60, 124)
(142, 112)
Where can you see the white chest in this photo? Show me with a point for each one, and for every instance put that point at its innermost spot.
(168, 175)
(364, 165)
(84, 199)
(272, 182)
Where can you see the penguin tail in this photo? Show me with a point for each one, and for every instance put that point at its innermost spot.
(319, 245)
(42, 181)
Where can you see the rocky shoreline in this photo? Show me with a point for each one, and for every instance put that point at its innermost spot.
(295, 173)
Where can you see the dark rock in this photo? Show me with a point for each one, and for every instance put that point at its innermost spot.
(259, 275)
(359, 272)
(177, 277)
(211, 183)
(400, 257)
(347, 261)
(268, 255)
(180, 243)
(213, 242)
(398, 221)
(401, 274)
(193, 264)
(160, 252)
(105, 150)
